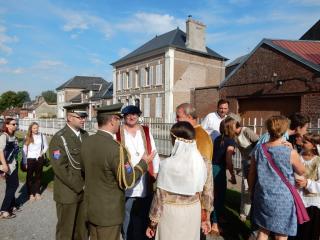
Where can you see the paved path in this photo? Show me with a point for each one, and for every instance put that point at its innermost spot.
(37, 220)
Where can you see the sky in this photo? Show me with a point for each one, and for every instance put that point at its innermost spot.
(44, 43)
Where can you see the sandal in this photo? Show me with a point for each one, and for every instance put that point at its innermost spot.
(7, 215)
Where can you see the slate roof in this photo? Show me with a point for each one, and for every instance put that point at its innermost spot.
(313, 33)
(81, 82)
(105, 92)
(237, 61)
(305, 52)
(175, 38)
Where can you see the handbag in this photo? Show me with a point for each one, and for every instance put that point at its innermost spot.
(302, 214)
(46, 161)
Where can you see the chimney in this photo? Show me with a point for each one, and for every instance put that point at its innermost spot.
(196, 35)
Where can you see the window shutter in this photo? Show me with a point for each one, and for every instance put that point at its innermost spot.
(158, 107)
(151, 81)
(146, 107)
(159, 74)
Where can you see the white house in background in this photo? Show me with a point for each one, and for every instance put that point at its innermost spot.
(161, 74)
(95, 91)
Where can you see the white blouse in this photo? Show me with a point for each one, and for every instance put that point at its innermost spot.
(33, 150)
(312, 186)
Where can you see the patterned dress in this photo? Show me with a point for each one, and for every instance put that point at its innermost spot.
(273, 204)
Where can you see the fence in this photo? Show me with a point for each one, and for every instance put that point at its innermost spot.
(159, 129)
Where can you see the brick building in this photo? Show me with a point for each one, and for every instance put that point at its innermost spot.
(277, 77)
(162, 73)
(94, 91)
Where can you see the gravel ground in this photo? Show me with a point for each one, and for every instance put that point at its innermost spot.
(37, 219)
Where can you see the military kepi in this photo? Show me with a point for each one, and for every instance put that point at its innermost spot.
(114, 109)
(79, 109)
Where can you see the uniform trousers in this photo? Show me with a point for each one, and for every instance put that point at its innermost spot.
(104, 233)
(71, 222)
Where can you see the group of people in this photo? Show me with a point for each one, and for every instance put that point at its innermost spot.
(34, 147)
(113, 182)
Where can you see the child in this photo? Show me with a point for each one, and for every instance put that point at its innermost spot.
(224, 147)
(309, 186)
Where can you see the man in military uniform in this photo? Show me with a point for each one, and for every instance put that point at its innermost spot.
(64, 151)
(108, 172)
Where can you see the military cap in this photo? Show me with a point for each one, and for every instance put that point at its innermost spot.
(114, 109)
(79, 109)
(131, 109)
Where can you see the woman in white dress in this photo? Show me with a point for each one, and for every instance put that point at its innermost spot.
(175, 211)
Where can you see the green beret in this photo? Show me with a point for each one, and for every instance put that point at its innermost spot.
(114, 109)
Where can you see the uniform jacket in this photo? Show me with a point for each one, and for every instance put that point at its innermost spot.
(68, 181)
(104, 198)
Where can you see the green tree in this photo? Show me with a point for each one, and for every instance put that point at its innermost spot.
(22, 97)
(49, 96)
(7, 100)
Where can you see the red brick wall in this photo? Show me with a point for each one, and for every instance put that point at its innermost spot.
(258, 78)
(205, 100)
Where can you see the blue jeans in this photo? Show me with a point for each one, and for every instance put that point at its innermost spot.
(136, 218)
(220, 188)
(12, 184)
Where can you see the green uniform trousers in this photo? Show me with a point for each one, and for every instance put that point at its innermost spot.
(104, 233)
(71, 223)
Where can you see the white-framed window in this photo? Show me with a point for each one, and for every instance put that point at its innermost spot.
(142, 77)
(158, 107)
(124, 80)
(130, 79)
(159, 74)
(146, 107)
(119, 82)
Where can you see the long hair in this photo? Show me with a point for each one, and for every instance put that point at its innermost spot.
(227, 128)
(314, 139)
(29, 137)
(6, 122)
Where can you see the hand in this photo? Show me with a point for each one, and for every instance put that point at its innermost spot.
(148, 158)
(5, 168)
(150, 232)
(206, 227)
(288, 144)
(301, 182)
(233, 179)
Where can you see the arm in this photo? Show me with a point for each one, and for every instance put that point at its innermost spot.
(252, 175)
(314, 186)
(156, 159)
(297, 165)
(3, 161)
(155, 212)
(207, 193)
(60, 165)
(251, 135)
(123, 170)
(45, 144)
(229, 153)
(206, 124)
